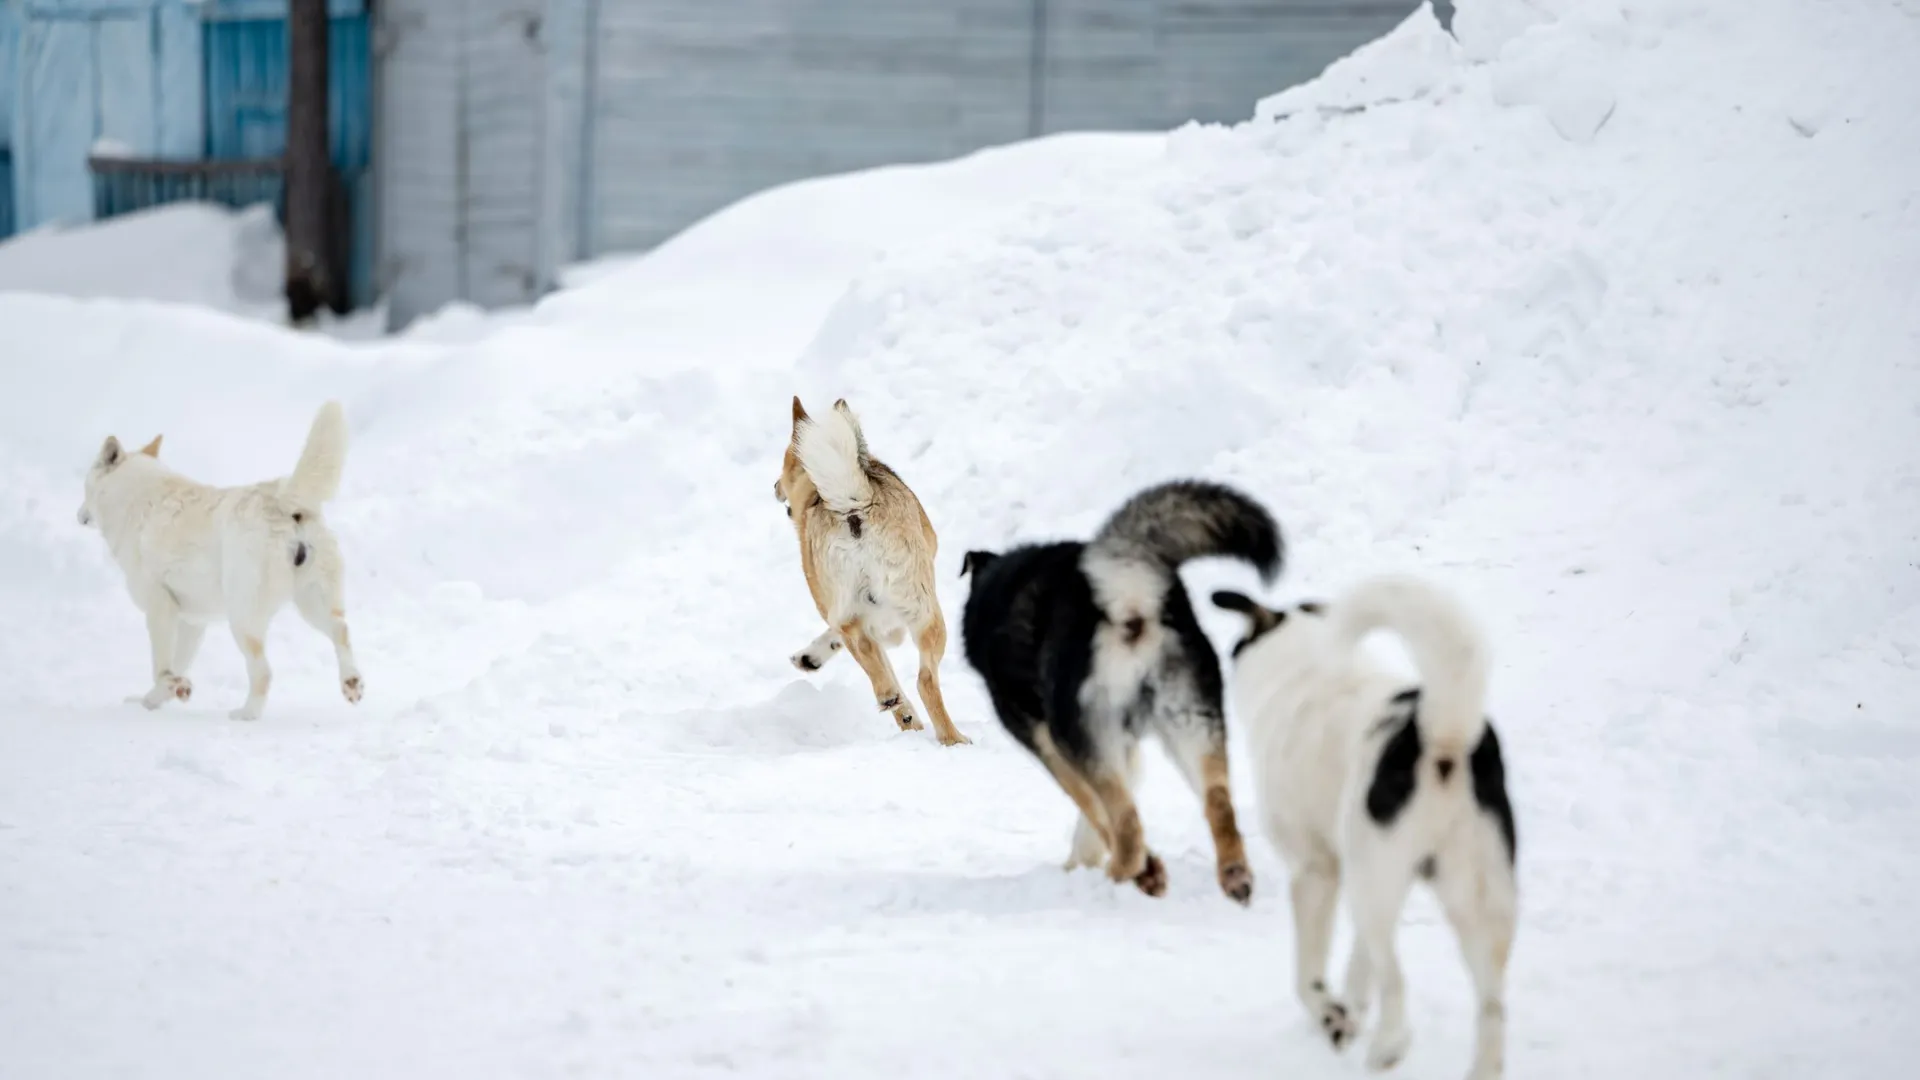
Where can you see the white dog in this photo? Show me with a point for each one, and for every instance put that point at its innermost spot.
(1367, 782)
(195, 554)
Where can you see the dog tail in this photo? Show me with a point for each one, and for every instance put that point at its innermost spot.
(833, 451)
(1448, 648)
(1133, 559)
(316, 478)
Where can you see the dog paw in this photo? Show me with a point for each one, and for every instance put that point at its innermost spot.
(1152, 879)
(352, 689)
(908, 722)
(168, 688)
(952, 737)
(1387, 1049)
(1237, 882)
(245, 712)
(1338, 1025)
(815, 656)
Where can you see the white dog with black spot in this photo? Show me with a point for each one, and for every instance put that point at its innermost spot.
(1369, 782)
(194, 555)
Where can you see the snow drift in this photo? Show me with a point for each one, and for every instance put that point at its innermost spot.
(1603, 314)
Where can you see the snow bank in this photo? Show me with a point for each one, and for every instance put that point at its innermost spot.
(185, 253)
(1603, 314)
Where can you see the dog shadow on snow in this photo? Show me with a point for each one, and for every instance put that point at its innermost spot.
(802, 717)
(1042, 888)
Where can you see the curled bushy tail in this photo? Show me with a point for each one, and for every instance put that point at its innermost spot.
(1448, 648)
(1135, 555)
(316, 477)
(833, 451)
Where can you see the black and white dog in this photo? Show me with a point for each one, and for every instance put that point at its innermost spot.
(1367, 783)
(1085, 648)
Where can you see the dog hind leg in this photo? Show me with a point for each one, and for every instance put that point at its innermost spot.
(1089, 844)
(931, 640)
(319, 599)
(1089, 840)
(818, 651)
(1128, 858)
(1199, 747)
(1482, 911)
(1376, 891)
(1098, 797)
(252, 639)
(886, 685)
(1316, 894)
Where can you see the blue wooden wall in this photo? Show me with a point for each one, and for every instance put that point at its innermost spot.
(9, 43)
(87, 70)
(182, 79)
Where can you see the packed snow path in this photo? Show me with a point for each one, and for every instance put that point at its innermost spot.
(1607, 319)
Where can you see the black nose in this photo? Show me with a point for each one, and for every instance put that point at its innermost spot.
(1445, 765)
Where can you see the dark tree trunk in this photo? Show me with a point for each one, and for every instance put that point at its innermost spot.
(312, 280)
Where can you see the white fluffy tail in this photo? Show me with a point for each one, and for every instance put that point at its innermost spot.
(316, 478)
(1447, 646)
(834, 453)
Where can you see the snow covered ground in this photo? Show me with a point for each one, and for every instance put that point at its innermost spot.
(1605, 315)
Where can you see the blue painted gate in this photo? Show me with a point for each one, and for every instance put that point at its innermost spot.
(245, 53)
(172, 80)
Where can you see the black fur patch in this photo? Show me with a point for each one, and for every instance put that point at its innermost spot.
(1028, 629)
(1489, 774)
(1395, 774)
(1260, 620)
(298, 517)
(300, 555)
(854, 525)
(1313, 607)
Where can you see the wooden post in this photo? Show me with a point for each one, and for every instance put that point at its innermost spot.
(311, 280)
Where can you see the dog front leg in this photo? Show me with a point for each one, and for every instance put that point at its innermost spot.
(818, 651)
(164, 636)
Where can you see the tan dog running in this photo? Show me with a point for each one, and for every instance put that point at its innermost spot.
(867, 550)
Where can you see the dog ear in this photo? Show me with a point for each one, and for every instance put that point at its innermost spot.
(1262, 617)
(975, 561)
(1233, 601)
(152, 449)
(799, 411)
(109, 453)
(859, 436)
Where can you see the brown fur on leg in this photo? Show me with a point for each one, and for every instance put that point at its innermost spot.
(1128, 858)
(886, 686)
(932, 642)
(1075, 783)
(1230, 852)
